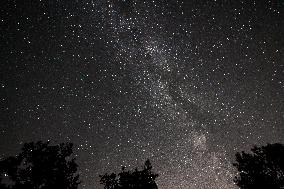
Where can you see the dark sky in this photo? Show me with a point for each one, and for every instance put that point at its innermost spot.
(184, 83)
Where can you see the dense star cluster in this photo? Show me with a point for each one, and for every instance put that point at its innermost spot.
(184, 83)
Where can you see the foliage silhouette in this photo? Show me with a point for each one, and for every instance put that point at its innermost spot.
(40, 166)
(263, 168)
(137, 179)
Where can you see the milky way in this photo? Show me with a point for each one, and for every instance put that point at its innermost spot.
(186, 84)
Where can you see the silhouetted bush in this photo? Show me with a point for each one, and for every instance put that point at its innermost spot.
(40, 166)
(137, 179)
(263, 168)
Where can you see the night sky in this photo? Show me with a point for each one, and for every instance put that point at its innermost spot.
(185, 83)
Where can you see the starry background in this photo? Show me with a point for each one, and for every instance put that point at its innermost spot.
(184, 83)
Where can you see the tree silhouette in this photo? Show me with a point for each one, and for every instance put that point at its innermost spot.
(40, 166)
(137, 179)
(263, 168)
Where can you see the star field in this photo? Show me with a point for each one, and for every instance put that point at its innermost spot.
(186, 84)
